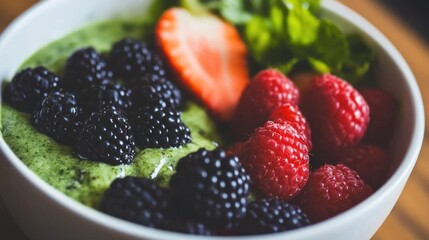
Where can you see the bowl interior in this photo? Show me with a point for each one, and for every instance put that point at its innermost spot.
(35, 29)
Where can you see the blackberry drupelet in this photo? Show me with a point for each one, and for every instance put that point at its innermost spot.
(137, 200)
(59, 117)
(29, 87)
(151, 89)
(86, 67)
(160, 127)
(96, 97)
(132, 58)
(212, 188)
(271, 215)
(106, 137)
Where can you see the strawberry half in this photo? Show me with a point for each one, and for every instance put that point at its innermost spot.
(208, 56)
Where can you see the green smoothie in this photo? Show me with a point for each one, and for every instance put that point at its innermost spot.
(84, 180)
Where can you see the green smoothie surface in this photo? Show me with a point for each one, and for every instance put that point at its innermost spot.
(84, 180)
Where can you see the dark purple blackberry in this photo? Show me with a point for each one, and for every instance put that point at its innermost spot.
(131, 58)
(151, 89)
(185, 226)
(29, 87)
(86, 67)
(137, 200)
(106, 137)
(211, 188)
(59, 117)
(96, 97)
(160, 127)
(270, 216)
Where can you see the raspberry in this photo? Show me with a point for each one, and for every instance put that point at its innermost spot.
(331, 190)
(338, 115)
(276, 158)
(270, 216)
(29, 87)
(290, 114)
(86, 67)
(268, 90)
(107, 137)
(59, 117)
(211, 188)
(131, 58)
(382, 112)
(369, 161)
(152, 89)
(137, 200)
(97, 97)
(235, 149)
(160, 127)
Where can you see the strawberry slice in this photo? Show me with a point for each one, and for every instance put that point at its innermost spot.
(208, 57)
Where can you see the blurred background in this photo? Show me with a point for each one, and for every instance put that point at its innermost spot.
(406, 24)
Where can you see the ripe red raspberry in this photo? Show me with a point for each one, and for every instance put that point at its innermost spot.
(290, 114)
(369, 161)
(331, 190)
(382, 112)
(338, 115)
(235, 150)
(276, 158)
(269, 89)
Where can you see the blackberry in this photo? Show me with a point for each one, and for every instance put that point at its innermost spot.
(59, 117)
(96, 97)
(270, 216)
(29, 87)
(152, 89)
(131, 58)
(137, 200)
(212, 188)
(107, 137)
(185, 226)
(86, 67)
(160, 127)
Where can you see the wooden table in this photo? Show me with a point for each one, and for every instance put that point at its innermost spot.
(409, 218)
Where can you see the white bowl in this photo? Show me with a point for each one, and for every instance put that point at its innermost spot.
(45, 213)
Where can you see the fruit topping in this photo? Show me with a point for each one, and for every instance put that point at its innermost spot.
(137, 200)
(152, 89)
(30, 86)
(106, 137)
(157, 126)
(276, 158)
(268, 90)
(369, 161)
(59, 117)
(337, 113)
(290, 114)
(382, 112)
(131, 58)
(86, 67)
(208, 57)
(211, 187)
(270, 216)
(97, 97)
(331, 190)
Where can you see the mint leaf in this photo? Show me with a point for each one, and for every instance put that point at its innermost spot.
(331, 46)
(359, 62)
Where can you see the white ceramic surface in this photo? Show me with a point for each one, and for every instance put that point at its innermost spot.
(44, 213)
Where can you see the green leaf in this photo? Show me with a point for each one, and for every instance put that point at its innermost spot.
(360, 60)
(234, 12)
(301, 24)
(331, 46)
(318, 66)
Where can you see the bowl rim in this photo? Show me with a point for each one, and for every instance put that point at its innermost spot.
(134, 230)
